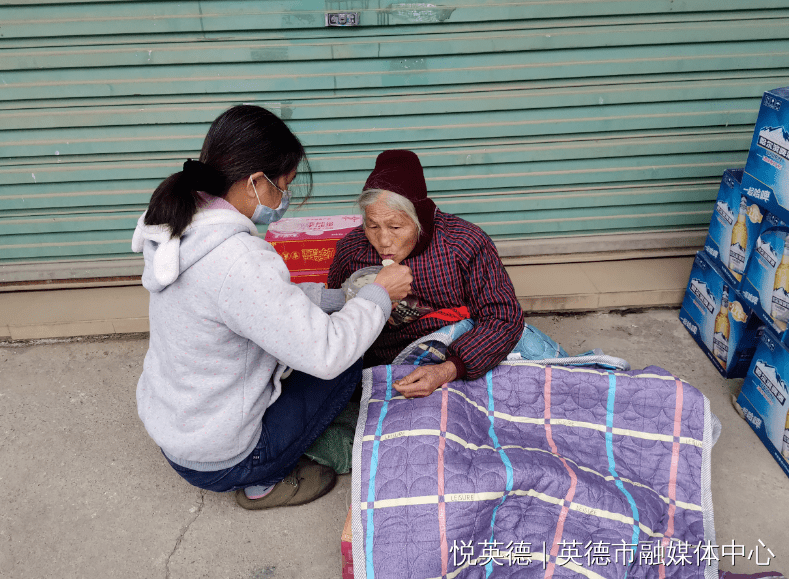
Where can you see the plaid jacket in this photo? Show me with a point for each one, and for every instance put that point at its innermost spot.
(460, 267)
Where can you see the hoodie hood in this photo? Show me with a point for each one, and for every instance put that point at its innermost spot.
(166, 257)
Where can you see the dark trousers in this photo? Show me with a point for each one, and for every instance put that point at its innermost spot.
(303, 411)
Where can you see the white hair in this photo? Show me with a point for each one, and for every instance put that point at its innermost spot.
(393, 200)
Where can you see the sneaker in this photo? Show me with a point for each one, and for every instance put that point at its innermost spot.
(307, 482)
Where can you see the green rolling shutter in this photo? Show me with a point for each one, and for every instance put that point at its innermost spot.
(552, 119)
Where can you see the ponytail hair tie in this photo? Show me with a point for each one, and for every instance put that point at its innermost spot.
(202, 177)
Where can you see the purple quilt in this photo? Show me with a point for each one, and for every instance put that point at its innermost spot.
(534, 471)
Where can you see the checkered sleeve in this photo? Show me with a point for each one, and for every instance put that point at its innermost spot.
(343, 264)
(493, 306)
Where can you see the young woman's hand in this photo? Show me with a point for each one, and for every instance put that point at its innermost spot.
(397, 281)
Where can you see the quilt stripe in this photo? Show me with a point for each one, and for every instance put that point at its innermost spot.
(535, 556)
(609, 448)
(373, 470)
(588, 370)
(467, 445)
(494, 496)
(420, 357)
(571, 423)
(504, 459)
(573, 478)
(442, 506)
(606, 486)
(672, 482)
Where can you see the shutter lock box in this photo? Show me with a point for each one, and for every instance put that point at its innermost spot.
(715, 314)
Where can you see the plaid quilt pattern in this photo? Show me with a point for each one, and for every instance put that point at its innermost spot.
(534, 471)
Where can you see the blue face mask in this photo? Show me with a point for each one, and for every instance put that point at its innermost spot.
(264, 214)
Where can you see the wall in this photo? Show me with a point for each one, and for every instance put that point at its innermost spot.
(559, 127)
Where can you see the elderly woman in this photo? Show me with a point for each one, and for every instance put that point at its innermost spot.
(455, 266)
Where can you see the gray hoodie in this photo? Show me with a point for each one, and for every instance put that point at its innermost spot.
(225, 323)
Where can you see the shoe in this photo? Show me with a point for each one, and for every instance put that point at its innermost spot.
(307, 482)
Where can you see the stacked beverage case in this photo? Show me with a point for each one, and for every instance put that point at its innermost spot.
(737, 302)
(718, 318)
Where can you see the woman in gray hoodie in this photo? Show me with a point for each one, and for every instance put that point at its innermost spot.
(227, 325)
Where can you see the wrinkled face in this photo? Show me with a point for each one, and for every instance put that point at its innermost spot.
(391, 232)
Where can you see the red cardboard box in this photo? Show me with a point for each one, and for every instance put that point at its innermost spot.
(346, 547)
(321, 276)
(307, 244)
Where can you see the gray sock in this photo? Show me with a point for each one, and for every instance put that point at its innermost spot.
(257, 491)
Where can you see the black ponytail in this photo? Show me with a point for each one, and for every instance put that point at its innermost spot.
(174, 202)
(241, 141)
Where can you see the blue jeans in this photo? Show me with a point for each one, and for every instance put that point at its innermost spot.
(303, 411)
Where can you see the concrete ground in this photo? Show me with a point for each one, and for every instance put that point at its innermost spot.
(85, 493)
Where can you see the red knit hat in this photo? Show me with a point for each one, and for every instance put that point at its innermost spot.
(400, 171)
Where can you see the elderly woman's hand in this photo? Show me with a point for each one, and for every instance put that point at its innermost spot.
(424, 380)
(397, 281)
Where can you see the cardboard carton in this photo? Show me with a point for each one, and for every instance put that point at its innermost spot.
(734, 227)
(765, 285)
(764, 397)
(346, 547)
(714, 313)
(308, 244)
(768, 159)
(321, 276)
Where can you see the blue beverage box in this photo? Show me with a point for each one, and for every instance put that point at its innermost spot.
(770, 221)
(764, 397)
(734, 227)
(768, 158)
(765, 285)
(715, 314)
